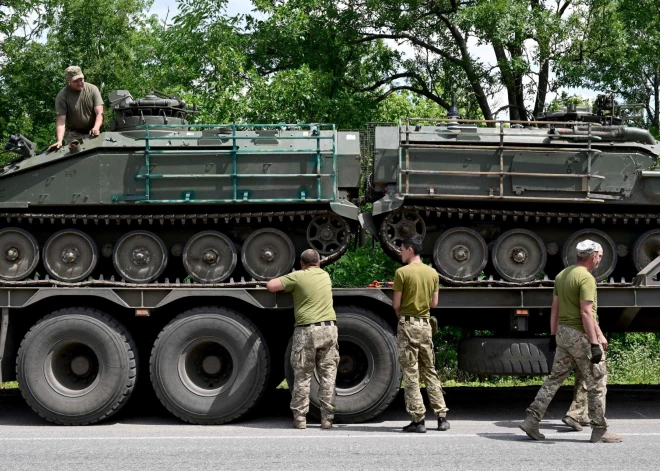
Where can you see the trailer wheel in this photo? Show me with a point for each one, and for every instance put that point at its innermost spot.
(76, 366)
(368, 376)
(209, 365)
(505, 356)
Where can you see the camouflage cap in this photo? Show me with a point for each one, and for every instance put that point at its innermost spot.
(73, 73)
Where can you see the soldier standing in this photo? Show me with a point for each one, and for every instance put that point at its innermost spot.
(415, 292)
(580, 344)
(79, 109)
(314, 337)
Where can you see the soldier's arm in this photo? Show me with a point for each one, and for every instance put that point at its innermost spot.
(275, 285)
(588, 321)
(98, 110)
(60, 124)
(601, 337)
(396, 303)
(434, 300)
(554, 315)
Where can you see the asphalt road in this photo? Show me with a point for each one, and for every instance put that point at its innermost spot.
(484, 435)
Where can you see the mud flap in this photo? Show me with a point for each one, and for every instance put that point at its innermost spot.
(386, 204)
(367, 223)
(345, 209)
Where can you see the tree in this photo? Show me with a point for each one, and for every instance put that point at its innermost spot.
(619, 53)
(526, 37)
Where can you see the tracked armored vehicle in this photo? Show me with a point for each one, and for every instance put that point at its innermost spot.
(156, 196)
(512, 199)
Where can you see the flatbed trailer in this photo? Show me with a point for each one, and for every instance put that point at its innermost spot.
(212, 352)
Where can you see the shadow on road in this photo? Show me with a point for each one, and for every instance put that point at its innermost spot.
(503, 406)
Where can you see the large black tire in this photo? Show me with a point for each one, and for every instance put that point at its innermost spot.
(81, 340)
(367, 343)
(210, 365)
(505, 356)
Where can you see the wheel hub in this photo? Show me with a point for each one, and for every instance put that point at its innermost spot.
(268, 254)
(141, 256)
(80, 365)
(519, 255)
(212, 365)
(12, 254)
(210, 257)
(346, 364)
(70, 255)
(460, 253)
(327, 233)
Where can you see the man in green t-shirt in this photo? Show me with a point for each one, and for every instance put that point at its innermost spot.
(314, 337)
(415, 292)
(79, 109)
(580, 344)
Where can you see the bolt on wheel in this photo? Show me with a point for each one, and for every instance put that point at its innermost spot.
(268, 253)
(460, 253)
(140, 256)
(519, 255)
(19, 254)
(70, 255)
(327, 234)
(209, 257)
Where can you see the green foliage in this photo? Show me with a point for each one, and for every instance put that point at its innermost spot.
(634, 358)
(9, 385)
(361, 266)
(564, 99)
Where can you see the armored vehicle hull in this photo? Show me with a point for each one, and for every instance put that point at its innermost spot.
(513, 202)
(158, 197)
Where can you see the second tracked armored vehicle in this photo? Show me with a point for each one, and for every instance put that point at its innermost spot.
(512, 199)
(156, 196)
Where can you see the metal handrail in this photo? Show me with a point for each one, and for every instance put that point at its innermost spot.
(235, 152)
(406, 145)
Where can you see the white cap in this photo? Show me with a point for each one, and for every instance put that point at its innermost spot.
(587, 247)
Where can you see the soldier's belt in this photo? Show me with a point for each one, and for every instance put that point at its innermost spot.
(423, 320)
(318, 324)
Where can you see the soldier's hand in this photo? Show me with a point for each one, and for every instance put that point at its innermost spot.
(604, 342)
(596, 353)
(54, 147)
(552, 345)
(94, 132)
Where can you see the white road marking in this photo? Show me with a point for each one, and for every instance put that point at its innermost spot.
(325, 436)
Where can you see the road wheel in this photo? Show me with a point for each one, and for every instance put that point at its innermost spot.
(368, 376)
(209, 365)
(505, 356)
(76, 366)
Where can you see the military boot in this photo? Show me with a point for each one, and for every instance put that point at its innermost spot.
(443, 425)
(531, 427)
(326, 423)
(601, 435)
(300, 422)
(572, 423)
(415, 427)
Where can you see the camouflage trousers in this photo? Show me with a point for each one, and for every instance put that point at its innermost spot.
(573, 350)
(579, 407)
(415, 345)
(314, 347)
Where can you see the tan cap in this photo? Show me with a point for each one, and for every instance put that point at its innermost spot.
(73, 73)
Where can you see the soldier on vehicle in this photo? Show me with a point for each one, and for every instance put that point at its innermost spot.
(415, 292)
(314, 337)
(580, 344)
(79, 109)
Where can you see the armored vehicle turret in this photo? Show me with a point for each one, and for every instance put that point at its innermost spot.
(512, 199)
(156, 196)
